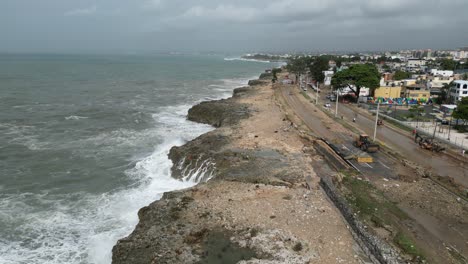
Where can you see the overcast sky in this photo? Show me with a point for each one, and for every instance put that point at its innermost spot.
(230, 26)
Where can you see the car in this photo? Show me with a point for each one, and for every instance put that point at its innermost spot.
(327, 105)
(333, 99)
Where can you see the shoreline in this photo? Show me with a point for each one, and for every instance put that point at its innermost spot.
(257, 160)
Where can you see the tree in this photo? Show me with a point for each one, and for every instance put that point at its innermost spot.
(356, 77)
(443, 96)
(400, 75)
(298, 65)
(465, 76)
(416, 110)
(274, 72)
(448, 64)
(317, 67)
(461, 112)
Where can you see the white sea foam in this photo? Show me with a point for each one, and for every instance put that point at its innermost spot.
(74, 117)
(244, 59)
(82, 227)
(86, 230)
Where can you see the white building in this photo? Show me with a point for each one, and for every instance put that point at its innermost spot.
(415, 63)
(459, 90)
(328, 76)
(346, 90)
(441, 73)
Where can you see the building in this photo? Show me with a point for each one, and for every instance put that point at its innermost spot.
(459, 90)
(328, 76)
(388, 92)
(414, 65)
(436, 72)
(416, 91)
(438, 81)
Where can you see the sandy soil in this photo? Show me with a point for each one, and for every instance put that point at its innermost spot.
(307, 214)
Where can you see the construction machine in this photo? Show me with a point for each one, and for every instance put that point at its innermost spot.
(428, 143)
(363, 142)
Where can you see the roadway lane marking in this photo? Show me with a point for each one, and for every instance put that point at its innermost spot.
(384, 165)
(368, 165)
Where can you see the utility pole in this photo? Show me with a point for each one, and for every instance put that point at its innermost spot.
(336, 110)
(376, 120)
(435, 128)
(316, 99)
(450, 125)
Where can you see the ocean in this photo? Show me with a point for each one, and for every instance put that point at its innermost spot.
(84, 142)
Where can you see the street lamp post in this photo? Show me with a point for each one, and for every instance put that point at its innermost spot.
(376, 120)
(316, 99)
(336, 110)
(450, 126)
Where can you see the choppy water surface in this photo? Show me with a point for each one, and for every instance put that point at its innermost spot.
(84, 143)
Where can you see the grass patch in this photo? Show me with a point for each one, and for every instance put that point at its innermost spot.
(407, 245)
(306, 95)
(374, 208)
(398, 125)
(371, 204)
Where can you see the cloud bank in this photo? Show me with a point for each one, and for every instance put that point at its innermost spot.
(232, 26)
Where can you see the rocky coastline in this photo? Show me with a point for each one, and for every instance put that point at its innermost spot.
(251, 205)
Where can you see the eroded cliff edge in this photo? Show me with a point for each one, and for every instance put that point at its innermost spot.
(255, 207)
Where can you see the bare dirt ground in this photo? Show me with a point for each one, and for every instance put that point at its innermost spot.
(264, 196)
(307, 214)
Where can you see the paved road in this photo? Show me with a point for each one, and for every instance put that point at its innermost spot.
(441, 164)
(382, 165)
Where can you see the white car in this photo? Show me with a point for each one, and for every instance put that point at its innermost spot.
(327, 105)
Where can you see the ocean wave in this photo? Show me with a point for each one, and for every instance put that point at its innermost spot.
(244, 59)
(74, 117)
(83, 228)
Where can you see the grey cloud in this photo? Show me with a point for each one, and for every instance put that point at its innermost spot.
(237, 26)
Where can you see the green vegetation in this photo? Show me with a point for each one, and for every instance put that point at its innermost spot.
(306, 95)
(274, 72)
(400, 75)
(317, 67)
(264, 57)
(443, 96)
(448, 64)
(356, 77)
(461, 112)
(370, 202)
(374, 208)
(298, 65)
(407, 245)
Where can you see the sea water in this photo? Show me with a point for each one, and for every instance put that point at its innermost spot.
(84, 142)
